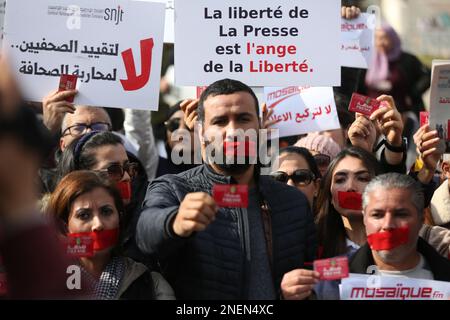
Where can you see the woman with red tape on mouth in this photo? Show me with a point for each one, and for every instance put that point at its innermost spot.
(339, 218)
(88, 208)
(104, 152)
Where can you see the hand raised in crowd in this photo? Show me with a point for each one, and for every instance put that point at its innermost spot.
(196, 212)
(362, 133)
(266, 114)
(350, 12)
(189, 107)
(389, 122)
(298, 284)
(427, 143)
(54, 106)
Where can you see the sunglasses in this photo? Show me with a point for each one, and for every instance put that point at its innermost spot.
(116, 171)
(322, 160)
(174, 124)
(301, 177)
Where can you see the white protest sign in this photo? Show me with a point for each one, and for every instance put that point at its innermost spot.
(439, 118)
(357, 37)
(360, 287)
(259, 42)
(2, 20)
(169, 25)
(114, 47)
(302, 109)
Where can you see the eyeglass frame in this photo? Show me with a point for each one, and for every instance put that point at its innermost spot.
(87, 126)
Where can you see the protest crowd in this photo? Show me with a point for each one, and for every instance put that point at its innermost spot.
(120, 203)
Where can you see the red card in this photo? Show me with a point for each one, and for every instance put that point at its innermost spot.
(80, 246)
(3, 284)
(424, 115)
(332, 269)
(363, 104)
(448, 129)
(68, 82)
(350, 200)
(199, 91)
(231, 195)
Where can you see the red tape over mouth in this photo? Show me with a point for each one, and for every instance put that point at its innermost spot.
(125, 190)
(102, 239)
(239, 148)
(388, 240)
(350, 200)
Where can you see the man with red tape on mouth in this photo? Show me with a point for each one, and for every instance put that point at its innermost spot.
(393, 215)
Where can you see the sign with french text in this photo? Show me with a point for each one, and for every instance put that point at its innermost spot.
(259, 42)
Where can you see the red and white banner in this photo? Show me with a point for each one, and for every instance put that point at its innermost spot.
(302, 109)
(376, 287)
(113, 47)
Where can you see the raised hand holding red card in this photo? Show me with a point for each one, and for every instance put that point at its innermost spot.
(332, 269)
(363, 104)
(68, 82)
(231, 195)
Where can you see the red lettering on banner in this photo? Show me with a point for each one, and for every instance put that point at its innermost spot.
(133, 81)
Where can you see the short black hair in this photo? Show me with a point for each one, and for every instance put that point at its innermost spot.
(303, 152)
(224, 86)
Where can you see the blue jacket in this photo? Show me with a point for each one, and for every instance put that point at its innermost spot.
(212, 264)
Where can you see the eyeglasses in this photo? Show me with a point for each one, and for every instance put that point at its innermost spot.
(301, 177)
(116, 171)
(81, 128)
(322, 160)
(174, 124)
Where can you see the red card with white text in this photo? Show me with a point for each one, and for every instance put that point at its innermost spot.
(363, 104)
(68, 82)
(231, 195)
(332, 269)
(199, 91)
(79, 246)
(424, 116)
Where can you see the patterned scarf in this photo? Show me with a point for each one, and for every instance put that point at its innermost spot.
(107, 286)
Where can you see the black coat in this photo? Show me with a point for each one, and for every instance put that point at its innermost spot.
(212, 264)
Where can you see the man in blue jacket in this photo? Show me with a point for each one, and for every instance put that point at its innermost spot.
(212, 252)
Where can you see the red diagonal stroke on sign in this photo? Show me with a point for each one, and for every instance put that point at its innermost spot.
(133, 81)
(273, 105)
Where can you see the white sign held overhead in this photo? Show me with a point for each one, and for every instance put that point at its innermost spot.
(439, 117)
(357, 37)
(112, 46)
(301, 110)
(259, 42)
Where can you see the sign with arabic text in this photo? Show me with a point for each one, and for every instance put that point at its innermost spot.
(357, 41)
(113, 47)
(302, 109)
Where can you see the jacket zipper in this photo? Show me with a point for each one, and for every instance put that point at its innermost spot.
(245, 242)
